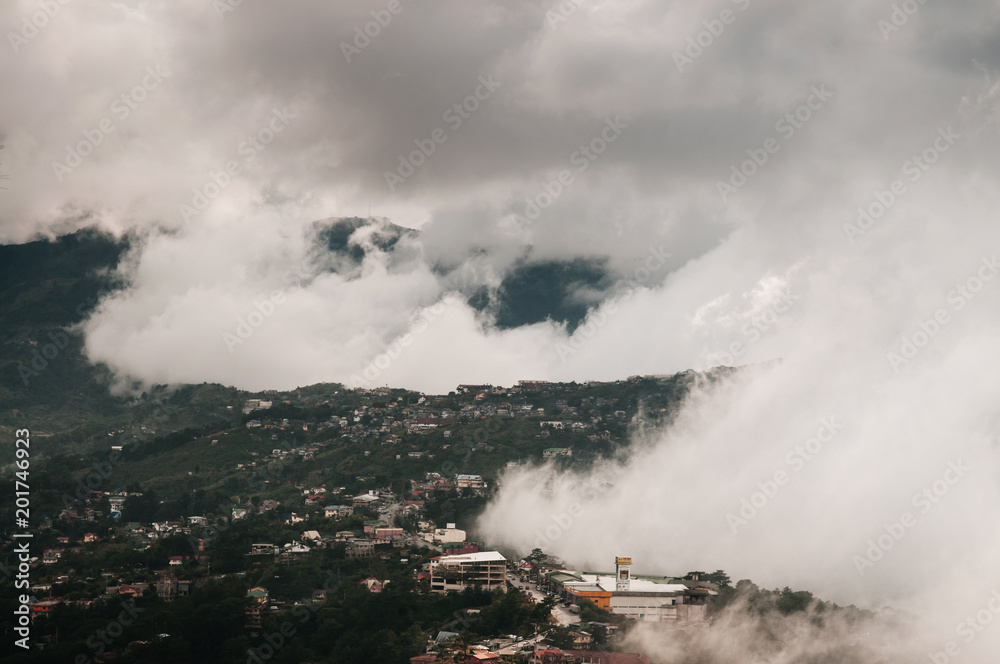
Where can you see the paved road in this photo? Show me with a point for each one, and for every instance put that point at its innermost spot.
(421, 542)
(517, 646)
(559, 612)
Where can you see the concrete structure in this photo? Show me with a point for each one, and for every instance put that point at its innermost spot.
(623, 573)
(455, 573)
(338, 511)
(366, 500)
(389, 533)
(448, 534)
(470, 482)
(647, 598)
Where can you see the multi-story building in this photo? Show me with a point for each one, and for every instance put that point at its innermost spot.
(448, 534)
(256, 606)
(455, 573)
(470, 482)
(338, 511)
(647, 598)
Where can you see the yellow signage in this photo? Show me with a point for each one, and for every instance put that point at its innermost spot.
(623, 561)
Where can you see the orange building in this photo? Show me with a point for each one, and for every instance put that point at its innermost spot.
(596, 594)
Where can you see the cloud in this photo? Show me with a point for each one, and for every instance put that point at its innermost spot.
(870, 209)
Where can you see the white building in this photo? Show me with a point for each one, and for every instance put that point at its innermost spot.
(470, 482)
(447, 535)
(455, 573)
(646, 598)
(338, 511)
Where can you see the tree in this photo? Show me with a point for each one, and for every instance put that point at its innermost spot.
(560, 637)
(537, 557)
(718, 577)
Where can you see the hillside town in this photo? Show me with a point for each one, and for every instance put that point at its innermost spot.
(296, 516)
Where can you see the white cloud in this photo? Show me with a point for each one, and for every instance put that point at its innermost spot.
(192, 280)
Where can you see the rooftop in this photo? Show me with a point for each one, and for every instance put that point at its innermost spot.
(481, 557)
(608, 583)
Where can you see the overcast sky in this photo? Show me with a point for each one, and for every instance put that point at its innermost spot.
(824, 108)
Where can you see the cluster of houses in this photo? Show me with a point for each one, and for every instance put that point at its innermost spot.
(167, 587)
(506, 650)
(390, 419)
(357, 543)
(435, 483)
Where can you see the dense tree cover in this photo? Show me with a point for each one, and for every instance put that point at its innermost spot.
(350, 625)
(590, 612)
(534, 291)
(206, 626)
(761, 601)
